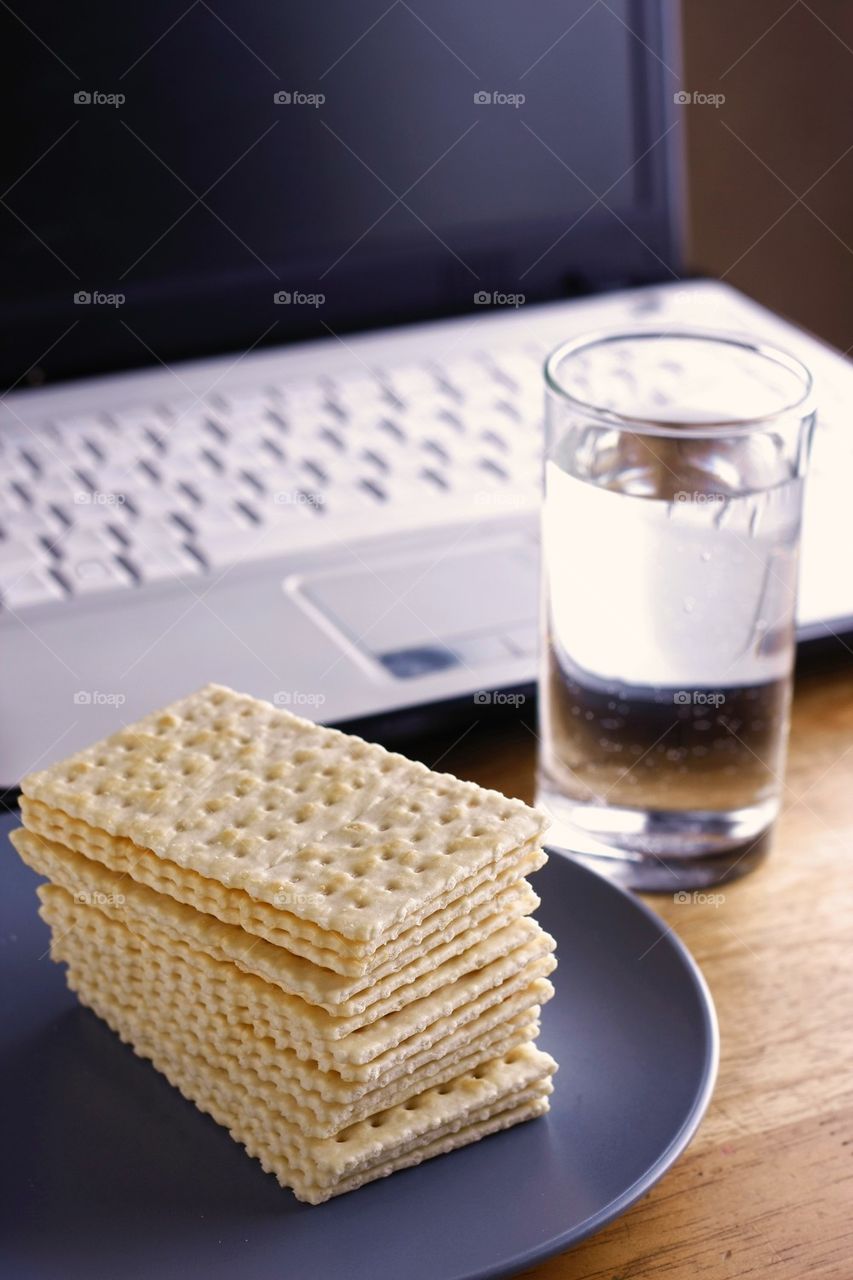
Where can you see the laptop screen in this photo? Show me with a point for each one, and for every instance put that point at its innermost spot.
(184, 181)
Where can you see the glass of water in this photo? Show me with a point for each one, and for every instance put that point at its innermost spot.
(674, 472)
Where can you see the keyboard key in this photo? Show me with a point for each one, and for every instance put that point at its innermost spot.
(435, 478)
(214, 518)
(248, 510)
(252, 482)
(19, 493)
(313, 472)
(161, 563)
(494, 469)
(79, 545)
(113, 478)
(272, 453)
(375, 490)
(435, 450)
(375, 459)
(17, 554)
(34, 525)
(391, 429)
(32, 463)
(32, 586)
(493, 439)
(84, 576)
(86, 510)
(431, 406)
(152, 531)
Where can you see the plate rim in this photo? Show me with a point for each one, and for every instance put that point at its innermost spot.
(620, 1204)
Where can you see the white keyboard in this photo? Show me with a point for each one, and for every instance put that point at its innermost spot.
(312, 446)
(111, 501)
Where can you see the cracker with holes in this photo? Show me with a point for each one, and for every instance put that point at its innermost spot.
(325, 946)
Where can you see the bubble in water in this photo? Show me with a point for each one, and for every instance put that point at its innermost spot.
(689, 604)
(706, 556)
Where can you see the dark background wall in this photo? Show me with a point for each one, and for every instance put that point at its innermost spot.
(770, 171)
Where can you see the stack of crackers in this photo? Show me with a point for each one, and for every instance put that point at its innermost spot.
(326, 947)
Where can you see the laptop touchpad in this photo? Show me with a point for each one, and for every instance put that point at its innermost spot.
(433, 610)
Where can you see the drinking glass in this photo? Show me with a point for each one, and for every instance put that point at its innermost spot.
(674, 471)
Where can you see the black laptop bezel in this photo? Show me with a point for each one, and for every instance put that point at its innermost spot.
(51, 339)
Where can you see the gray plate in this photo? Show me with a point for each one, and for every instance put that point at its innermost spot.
(108, 1172)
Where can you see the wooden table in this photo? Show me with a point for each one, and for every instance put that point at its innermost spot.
(766, 1186)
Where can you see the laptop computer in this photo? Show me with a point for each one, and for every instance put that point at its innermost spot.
(281, 286)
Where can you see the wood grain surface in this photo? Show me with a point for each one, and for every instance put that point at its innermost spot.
(766, 1186)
